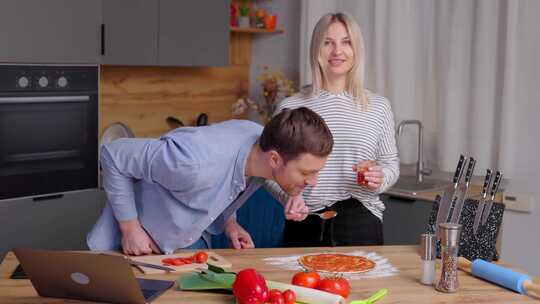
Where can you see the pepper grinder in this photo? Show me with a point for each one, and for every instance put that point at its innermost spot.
(449, 234)
(428, 256)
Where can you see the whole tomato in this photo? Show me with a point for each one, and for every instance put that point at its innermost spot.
(201, 257)
(289, 296)
(309, 279)
(339, 286)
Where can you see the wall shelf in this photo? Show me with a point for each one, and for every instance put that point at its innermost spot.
(255, 30)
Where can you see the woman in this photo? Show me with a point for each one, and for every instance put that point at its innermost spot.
(362, 124)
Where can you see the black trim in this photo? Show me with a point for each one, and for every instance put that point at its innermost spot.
(47, 197)
(103, 39)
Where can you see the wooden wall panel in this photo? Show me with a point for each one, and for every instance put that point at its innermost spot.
(142, 97)
(240, 48)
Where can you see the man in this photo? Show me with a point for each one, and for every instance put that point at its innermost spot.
(169, 193)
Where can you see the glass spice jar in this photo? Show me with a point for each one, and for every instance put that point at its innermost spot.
(449, 234)
(428, 257)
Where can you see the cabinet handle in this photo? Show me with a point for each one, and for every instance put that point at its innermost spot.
(103, 39)
(47, 197)
(43, 99)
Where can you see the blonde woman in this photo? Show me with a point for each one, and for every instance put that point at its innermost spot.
(362, 124)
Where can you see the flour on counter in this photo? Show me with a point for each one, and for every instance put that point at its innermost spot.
(383, 267)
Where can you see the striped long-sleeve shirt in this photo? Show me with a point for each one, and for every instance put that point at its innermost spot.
(358, 135)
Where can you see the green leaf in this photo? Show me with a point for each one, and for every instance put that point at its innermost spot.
(211, 280)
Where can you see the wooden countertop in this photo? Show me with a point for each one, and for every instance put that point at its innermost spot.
(403, 287)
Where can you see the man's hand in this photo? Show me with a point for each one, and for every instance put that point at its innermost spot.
(135, 240)
(239, 238)
(296, 209)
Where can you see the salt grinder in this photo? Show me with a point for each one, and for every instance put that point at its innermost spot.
(449, 234)
(428, 256)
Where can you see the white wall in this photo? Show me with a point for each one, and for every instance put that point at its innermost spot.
(521, 231)
(280, 51)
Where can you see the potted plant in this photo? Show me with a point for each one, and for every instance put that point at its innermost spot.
(243, 20)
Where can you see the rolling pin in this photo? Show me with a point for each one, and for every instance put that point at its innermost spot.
(499, 275)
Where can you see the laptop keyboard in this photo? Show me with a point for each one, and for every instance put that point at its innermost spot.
(151, 289)
(148, 293)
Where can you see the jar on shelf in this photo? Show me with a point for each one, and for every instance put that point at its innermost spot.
(270, 21)
(260, 15)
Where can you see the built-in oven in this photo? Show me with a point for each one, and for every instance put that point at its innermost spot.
(48, 129)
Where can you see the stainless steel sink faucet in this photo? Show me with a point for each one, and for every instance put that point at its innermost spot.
(420, 171)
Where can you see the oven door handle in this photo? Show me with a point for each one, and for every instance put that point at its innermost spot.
(44, 99)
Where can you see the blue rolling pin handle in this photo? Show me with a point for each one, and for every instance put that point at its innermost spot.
(499, 275)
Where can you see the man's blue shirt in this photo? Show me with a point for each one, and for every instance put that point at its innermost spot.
(178, 186)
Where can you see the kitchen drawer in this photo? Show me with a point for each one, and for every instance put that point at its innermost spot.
(59, 223)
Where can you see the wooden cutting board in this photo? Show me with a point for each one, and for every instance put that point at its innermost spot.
(213, 258)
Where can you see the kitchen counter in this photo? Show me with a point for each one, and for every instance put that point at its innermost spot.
(403, 287)
(430, 195)
(474, 191)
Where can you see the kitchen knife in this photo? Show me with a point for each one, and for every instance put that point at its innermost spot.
(482, 201)
(462, 192)
(446, 200)
(142, 264)
(494, 188)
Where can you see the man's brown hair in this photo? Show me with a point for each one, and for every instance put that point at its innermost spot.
(293, 132)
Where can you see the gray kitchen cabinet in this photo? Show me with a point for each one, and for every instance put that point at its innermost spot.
(60, 223)
(404, 220)
(130, 30)
(52, 31)
(193, 33)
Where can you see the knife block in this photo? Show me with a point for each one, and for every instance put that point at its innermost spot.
(471, 246)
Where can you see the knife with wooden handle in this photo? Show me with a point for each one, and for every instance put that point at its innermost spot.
(446, 201)
(494, 189)
(482, 201)
(462, 192)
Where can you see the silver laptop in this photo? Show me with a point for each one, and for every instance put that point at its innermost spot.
(87, 276)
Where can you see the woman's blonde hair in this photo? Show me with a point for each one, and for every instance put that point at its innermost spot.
(355, 77)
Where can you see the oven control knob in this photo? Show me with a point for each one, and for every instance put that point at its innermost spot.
(62, 82)
(23, 82)
(43, 81)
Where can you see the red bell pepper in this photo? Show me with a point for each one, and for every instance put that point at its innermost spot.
(250, 287)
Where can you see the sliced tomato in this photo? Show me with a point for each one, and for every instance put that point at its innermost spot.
(187, 260)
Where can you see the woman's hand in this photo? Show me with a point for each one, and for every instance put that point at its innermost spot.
(375, 177)
(371, 175)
